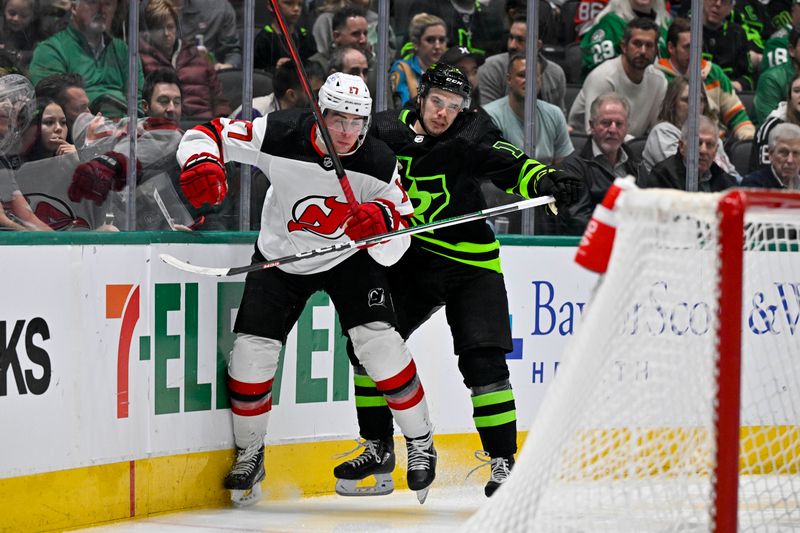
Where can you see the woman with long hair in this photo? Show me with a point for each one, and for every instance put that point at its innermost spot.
(50, 132)
(787, 111)
(662, 142)
(428, 34)
(160, 47)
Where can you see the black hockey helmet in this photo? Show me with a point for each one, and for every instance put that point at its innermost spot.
(448, 78)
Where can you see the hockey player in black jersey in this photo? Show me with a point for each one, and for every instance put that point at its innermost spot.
(305, 208)
(444, 154)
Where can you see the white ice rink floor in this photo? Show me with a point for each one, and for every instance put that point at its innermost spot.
(445, 510)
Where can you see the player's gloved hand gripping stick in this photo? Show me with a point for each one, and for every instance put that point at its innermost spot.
(342, 246)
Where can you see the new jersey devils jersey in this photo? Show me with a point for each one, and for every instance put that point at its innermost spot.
(305, 207)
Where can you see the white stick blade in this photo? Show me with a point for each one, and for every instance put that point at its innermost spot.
(194, 269)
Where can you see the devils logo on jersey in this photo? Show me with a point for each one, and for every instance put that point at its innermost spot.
(320, 215)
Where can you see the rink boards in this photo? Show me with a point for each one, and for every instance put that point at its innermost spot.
(112, 397)
(113, 376)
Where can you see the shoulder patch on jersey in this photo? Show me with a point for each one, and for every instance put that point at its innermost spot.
(599, 35)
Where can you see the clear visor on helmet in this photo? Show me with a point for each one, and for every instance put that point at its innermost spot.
(346, 125)
(451, 105)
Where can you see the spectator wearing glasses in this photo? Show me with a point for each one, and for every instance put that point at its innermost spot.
(87, 48)
(428, 34)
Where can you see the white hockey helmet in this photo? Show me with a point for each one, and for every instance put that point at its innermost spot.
(346, 93)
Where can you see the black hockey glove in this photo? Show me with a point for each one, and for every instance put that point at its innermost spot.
(564, 188)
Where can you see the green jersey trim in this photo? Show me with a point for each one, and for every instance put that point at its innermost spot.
(489, 264)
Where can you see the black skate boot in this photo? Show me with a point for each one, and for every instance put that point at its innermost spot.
(501, 469)
(247, 473)
(421, 465)
(377, 460)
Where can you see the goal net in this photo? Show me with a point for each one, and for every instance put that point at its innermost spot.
(646, 426)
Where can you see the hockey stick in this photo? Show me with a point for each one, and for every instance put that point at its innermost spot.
(344, 182)
(342, 246)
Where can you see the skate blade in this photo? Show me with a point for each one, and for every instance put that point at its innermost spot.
(422, 495)
(245, 498)
(349, 487)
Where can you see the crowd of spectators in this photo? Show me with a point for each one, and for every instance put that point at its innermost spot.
(612, 92)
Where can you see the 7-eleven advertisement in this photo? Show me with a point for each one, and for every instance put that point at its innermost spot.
(109, 355)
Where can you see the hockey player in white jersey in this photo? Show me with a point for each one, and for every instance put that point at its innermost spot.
(304, 209)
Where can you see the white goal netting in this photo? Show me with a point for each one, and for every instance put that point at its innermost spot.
(625, 440)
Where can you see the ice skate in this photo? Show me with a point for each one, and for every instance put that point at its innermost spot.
(421, 465)
(500, 470)
(376, 460)
(247, 473)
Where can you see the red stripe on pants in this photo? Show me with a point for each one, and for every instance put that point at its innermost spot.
(400, 379)
(250, 389)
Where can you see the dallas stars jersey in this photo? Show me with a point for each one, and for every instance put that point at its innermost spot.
(305, 207)
(761, 19)
(442, 176)
(602, 41)
(776, 49)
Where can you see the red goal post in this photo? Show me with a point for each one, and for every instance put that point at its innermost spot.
(677, 404)
(732, 210)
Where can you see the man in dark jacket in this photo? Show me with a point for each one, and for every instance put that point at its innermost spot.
(783, 171)
(601, 160)
(671, 173)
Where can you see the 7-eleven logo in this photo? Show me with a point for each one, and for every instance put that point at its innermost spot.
(122, 301)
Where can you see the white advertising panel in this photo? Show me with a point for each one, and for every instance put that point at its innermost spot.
(110, 355)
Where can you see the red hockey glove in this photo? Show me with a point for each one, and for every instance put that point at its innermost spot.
(369, 219)
(564, 188)
(95, 178)
(203, 180)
